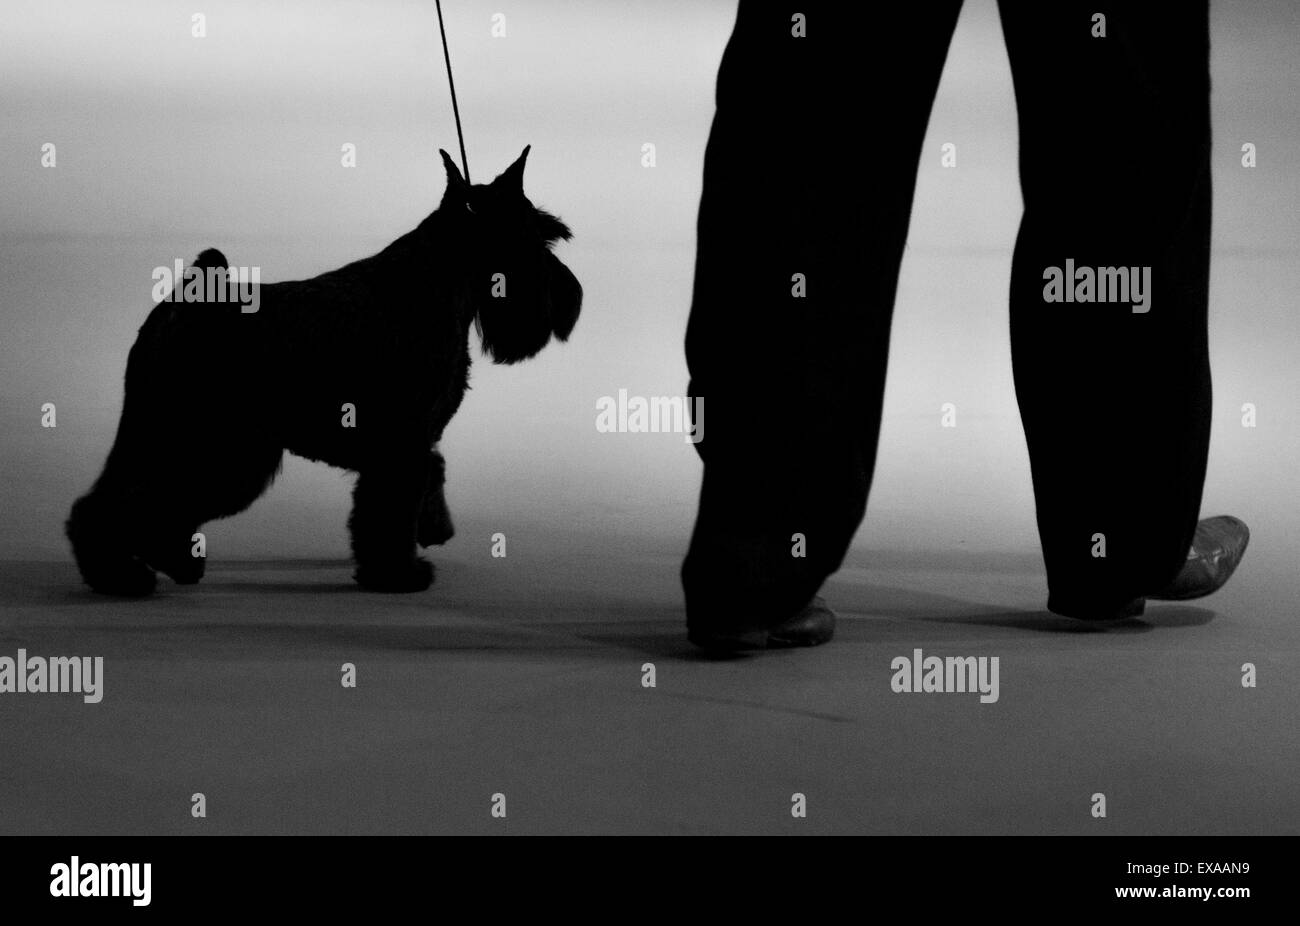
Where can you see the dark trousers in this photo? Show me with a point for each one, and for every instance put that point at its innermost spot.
(810, 169)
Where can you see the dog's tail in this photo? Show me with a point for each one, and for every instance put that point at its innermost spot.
(171, 310)
(211, 258)
(208, 259)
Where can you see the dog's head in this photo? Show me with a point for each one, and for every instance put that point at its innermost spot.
(522, 294)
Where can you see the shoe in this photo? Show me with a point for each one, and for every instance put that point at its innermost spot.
(1217, 549)
(812, 626)
(1095, 613)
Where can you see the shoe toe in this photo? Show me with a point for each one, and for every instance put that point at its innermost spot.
(1217, 549)
(813, 625)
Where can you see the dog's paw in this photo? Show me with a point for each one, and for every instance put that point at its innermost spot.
(412, 576)
(186, 571)
(133, 579)
(175, 561)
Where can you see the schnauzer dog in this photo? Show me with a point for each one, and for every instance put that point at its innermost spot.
(361, 368)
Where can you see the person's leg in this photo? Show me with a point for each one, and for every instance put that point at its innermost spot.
(1115, 170)
(809, 170)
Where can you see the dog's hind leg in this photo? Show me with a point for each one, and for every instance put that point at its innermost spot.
(100, 528)
(212, 472)
(434, 526)
(385, 508)
(133, 522)
(104, 524)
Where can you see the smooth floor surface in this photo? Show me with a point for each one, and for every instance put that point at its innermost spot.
(526, 681)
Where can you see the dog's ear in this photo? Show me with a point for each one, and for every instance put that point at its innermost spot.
(512, 178)
(457, 188)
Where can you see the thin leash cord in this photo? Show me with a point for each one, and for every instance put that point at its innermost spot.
(464, 162)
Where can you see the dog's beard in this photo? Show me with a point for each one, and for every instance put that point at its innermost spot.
(566, 298)
(517, 326)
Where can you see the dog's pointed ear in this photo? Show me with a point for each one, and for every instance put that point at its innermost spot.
(456, 184)
(512, 178)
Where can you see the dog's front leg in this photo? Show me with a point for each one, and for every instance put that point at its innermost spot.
(385, 507)
(434, 526)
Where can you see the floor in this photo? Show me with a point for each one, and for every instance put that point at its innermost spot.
(527, 682)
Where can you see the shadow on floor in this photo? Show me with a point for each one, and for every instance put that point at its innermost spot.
(474, 615)
(913, 605)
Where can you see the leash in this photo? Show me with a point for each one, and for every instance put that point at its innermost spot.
(452, 84)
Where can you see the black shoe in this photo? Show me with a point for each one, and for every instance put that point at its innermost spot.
(812, 626)
(1217, 549)
(1097, 613)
